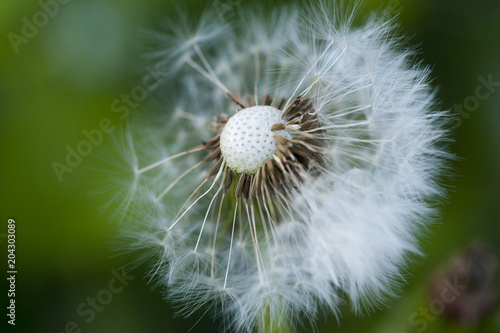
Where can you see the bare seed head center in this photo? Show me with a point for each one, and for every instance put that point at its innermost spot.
(247, 142)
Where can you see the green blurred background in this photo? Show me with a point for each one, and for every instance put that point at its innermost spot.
(63, 79)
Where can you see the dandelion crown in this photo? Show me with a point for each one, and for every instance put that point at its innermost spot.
(295, 171)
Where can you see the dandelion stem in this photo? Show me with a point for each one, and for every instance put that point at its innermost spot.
(273, 323)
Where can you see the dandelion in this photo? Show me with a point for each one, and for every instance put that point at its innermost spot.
(291, 171)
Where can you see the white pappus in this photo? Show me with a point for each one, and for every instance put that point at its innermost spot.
(293, 170)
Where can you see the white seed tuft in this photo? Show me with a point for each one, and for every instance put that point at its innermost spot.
(351, 184)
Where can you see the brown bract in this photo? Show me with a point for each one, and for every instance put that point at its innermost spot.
(293, 160)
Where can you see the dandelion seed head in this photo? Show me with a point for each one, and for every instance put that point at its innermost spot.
(303, 173)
